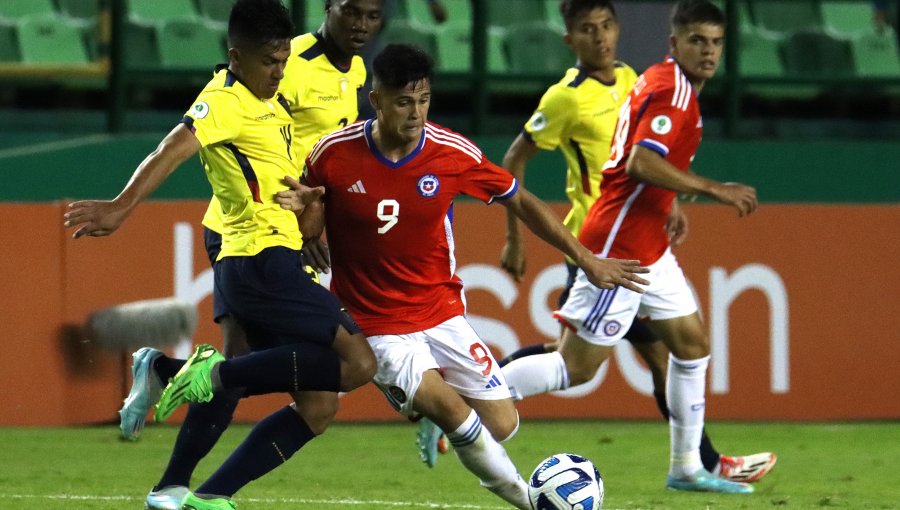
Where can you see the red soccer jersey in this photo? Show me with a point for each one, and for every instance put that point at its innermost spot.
(662, 114)
(389, 224)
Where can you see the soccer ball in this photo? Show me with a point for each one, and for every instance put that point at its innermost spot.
(566, 482)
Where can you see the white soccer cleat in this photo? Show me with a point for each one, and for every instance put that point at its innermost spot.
(145, 391)
(167, 498)
(748, 468)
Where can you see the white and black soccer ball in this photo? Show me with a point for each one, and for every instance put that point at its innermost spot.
(566, 481)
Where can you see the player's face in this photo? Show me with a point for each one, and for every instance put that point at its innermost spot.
(261, 68)
(698, 49)
(593, 37)
(351, 24)
(402, 113)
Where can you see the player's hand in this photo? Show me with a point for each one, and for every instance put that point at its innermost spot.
(609, 273)
(676, 225)
(316, 255)
(512, 259)
(299, 196)
(740, 196)
(95, 218)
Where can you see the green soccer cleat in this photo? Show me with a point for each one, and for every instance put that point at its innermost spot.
(191, 384)
(208, 502)
(166, 498)
(145, 390)
(704, 481)
(427, 438)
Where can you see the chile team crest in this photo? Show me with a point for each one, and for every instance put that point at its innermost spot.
(428, 185)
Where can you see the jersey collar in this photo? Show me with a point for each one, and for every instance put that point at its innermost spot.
(367, 129)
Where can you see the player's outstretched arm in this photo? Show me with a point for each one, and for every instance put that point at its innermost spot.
(604, 273)
(648, 165)
(102, 217)
(512, 258)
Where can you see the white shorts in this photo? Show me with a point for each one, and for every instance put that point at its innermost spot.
(603, 316)
(453, 347)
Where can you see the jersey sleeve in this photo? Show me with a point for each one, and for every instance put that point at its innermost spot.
(662, 119)
(555, 113)
(294, 84)
(214, 117)
(487, 182)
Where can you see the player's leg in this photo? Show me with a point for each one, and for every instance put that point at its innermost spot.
(204, 423)
(271, 443)
(473, 442)
(674, 319)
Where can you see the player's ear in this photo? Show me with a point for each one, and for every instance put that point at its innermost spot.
(234, 55)
(567, 38)
(374, 100)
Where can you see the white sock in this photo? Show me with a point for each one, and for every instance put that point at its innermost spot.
(685, 393)
(533, 375)
(481, 454)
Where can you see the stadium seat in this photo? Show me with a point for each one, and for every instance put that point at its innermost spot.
(14, 9)
(314, 14)
(759, 55)
(454, 50)
(553, 16)
(876, 55)
(537, 48)
(848, 18)
(786, 16)
(188, 42)
(9, 43)
(140, 45)
(218, 10)
(86, 11)
(459, 13)
(50, 39)
(514, 12)
(151, 11)
(817, 54)
(404, 31)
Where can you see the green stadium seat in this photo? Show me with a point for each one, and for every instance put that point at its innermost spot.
(515, 12)
(847, 18)
(817, 55)
(217, 10)
(314, 14)
(140, 46)
(537, 48)
(50, 39)
(876, 55)
(14, 9)
(87, 11)
(786, 16)
(406, 32)
(152, 11)
(552, 14)
(9, 44)
(188, 42)
(454, 50)
(760, 55)
(459, 13)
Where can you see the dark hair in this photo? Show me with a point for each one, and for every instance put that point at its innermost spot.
(686, 12)
(258, 22)
(398, 65)
(570, 9)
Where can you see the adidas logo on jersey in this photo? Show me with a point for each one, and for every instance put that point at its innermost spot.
(357, 187)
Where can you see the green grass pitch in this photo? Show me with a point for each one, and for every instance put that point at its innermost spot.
(376, 467)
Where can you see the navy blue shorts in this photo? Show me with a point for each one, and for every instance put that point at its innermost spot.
(212, 240)
(277, 302)
(639, 333)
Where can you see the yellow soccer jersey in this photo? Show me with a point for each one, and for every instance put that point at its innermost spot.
(246, 150)
(322, 98)
(578, 114)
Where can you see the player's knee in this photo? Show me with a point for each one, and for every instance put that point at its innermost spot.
(360, 368)
(317, 414)
(580, 373)
(508, 429)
